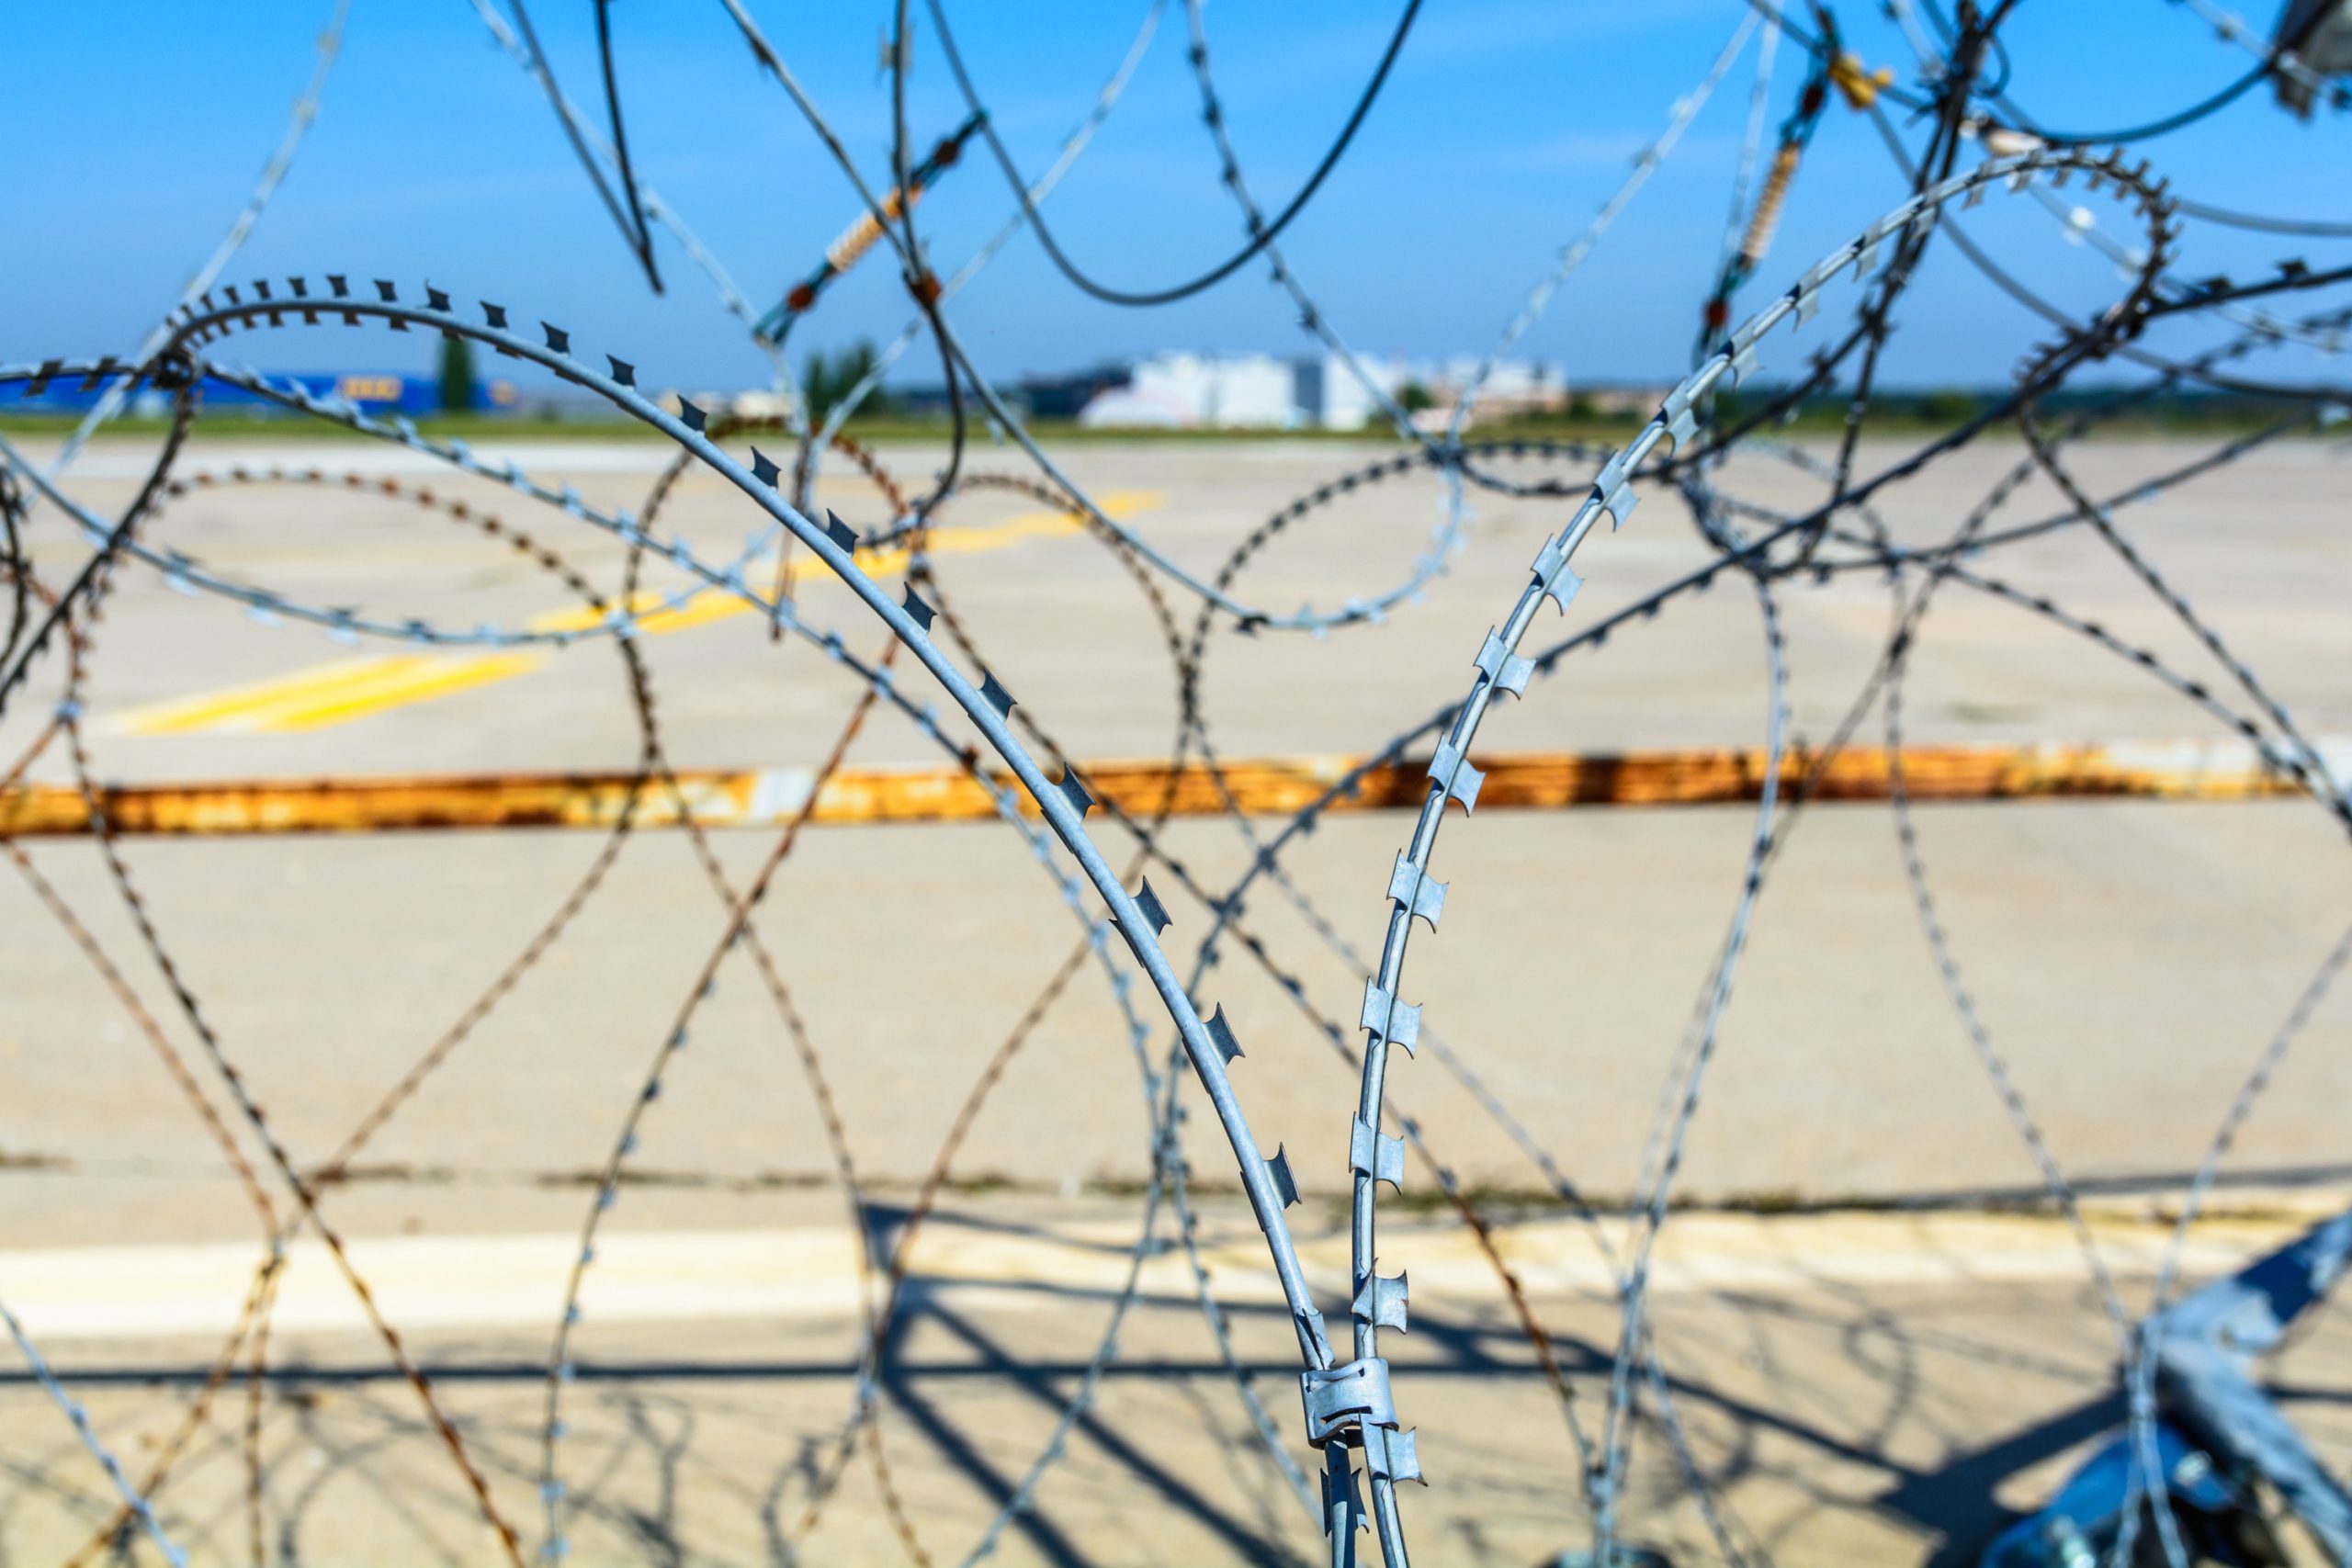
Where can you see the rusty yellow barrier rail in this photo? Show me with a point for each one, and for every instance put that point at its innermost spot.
(754, 797)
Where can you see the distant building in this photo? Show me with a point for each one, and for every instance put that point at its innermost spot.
(1062, 397)
(371, 392)
(1510, 386)
(1259, 391)
(1247, 391)
(1123, 408)
(1626, 398)
(1522, 386)
(760, 402)
(1331, 395)
(1213, 392)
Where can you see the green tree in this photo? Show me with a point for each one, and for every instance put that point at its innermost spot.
(826, 379)
(1947, 407)
(817, 383)
(458, 391)
(1414, 397)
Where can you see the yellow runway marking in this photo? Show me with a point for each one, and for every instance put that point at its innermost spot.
(350, 689)
(439, 677)
(328, 694)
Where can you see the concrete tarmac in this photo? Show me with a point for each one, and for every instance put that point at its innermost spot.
(1852, 1388)
(2129, 961)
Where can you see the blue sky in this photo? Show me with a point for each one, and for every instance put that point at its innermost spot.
(139, 127)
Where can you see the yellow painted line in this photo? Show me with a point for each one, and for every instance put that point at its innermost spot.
(329, 695)
(356, 688)
(232, 708)
(712, 605)
(762, 797)
(439, 678)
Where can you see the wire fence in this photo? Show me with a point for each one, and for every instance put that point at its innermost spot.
(1157, 915)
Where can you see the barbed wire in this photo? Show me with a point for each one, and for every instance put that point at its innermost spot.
(1099, 856)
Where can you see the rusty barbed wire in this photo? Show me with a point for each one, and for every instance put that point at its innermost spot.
(1034, 780)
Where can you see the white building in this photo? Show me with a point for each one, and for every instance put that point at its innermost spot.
(1331, 395)
(1240, 390)
(1512, 386)
(1259, 391)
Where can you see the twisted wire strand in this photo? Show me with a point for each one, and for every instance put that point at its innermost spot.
(1845, 533)
(80, 1419)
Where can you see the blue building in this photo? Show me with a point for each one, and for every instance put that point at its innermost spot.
(371, 392)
